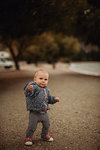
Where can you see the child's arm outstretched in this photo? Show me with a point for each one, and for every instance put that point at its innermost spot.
(30, 87)
(57, 99)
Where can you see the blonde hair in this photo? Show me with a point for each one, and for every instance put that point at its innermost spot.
(40, 70)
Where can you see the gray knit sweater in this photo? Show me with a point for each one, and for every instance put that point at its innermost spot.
(38, 98)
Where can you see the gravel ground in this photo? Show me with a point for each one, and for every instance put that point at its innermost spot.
(75, 120)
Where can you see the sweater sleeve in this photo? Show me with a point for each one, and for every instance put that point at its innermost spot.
(27, 92)
(51, 98)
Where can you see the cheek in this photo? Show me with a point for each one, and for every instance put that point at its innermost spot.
(34, 79)
(39, 81)
(47, 82)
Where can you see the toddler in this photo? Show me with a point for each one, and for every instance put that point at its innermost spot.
(37, 99)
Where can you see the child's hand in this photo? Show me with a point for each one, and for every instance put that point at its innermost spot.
(30, 87)
(57, 99)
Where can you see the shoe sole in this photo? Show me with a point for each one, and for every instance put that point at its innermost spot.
(49, 140)
(28, 143)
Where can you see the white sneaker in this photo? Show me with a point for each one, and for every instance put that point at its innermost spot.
(48, 138)
(28, 141)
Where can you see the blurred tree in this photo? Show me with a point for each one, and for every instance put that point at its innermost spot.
(57, 47)
(21, 18)
(69, 47)
(95, 3)
(81, 56)
(26, 18)
(13, 16)
(51, 53)
(49, 48)
(87, 22)
(33, 53)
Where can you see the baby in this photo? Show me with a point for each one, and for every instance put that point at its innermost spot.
(37, 99)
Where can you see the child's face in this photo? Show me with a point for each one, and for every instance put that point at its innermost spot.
(41, 79)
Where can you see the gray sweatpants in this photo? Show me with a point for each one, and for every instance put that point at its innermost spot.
(34, 118)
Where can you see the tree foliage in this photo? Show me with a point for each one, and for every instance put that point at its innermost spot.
(21, 20)
(32, 54)
(52, 47)
(87, 23)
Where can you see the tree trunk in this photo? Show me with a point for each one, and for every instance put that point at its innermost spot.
(14, 57)
(54, 65)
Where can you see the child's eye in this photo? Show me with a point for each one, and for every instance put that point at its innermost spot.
(46, 79)
(41, 78)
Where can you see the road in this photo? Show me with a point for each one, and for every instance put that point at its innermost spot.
(75, 120)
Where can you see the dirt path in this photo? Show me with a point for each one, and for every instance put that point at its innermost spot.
(75, 121)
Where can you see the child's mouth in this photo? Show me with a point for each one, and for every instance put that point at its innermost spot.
(42, 84)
